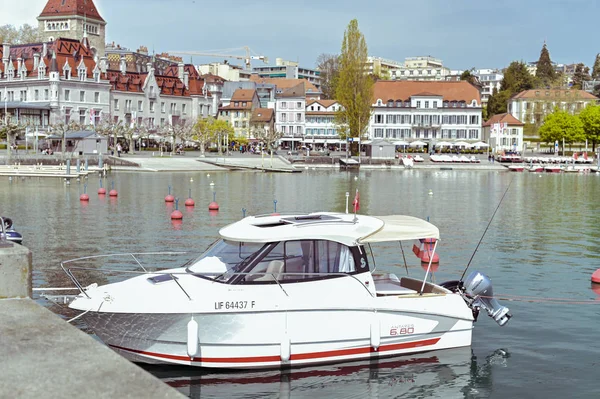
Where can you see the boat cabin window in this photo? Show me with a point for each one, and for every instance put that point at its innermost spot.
(293, 261)
(224, 258)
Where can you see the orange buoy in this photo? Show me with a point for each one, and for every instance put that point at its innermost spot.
(426, 253)
(596, 277)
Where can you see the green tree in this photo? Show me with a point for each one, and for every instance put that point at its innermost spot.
(202, 133)
(596, 68)
(468, 76)
(498, 102)
(517, 78)
(582, 74)
(9, 130)
(223, 132)
(545, 73)
(561, 125)
(328, 65)
(354, 90)
(590, 117)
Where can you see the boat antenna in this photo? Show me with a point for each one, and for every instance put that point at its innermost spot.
(486, 229)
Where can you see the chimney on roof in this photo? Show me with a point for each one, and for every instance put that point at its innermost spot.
(36, 60)
(5, 52)
(19, 65)
(103, 64)
(186, 79)
(180, 67)
(123, 65)
(44, 49)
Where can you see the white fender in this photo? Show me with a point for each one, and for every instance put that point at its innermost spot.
(285, 348)
(375, 332)
(192, 338)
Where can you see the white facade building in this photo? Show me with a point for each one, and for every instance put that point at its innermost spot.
(290, 110)
(503, 132)
(321, 130)
(426, 111)
(490, 79)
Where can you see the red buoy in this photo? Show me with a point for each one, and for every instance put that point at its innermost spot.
(113, 193)
(84, 197)
(176, 215)
(190, 201)
(169, 197)
(101, 191)
(596, 277)
(213, 206)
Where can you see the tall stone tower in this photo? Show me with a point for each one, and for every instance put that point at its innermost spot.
(71, 19)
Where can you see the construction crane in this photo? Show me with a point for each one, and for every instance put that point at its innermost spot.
(220, 53)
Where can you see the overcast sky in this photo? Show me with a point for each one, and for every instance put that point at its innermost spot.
(463, 33)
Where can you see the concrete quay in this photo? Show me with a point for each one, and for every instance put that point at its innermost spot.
(192, 162)
(43, 356)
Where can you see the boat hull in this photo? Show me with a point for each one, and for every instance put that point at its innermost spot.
(274, 339)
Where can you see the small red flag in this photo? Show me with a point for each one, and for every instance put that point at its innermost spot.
(585, 156)
(356, 202)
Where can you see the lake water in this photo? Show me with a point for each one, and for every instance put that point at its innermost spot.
(543, 243)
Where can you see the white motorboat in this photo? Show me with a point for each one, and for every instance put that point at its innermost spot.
(286, 290)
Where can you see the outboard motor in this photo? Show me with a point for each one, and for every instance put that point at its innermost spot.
(478, 293)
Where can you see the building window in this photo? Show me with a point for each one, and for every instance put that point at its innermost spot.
(67, 95)
(183, 109)
(140, 106)
(162, 121)
(151, 106)
(236, 124)
(163, 107)
(236, 104)
(298, 105)
(379, 119)
(116, 101)
(82, 96)
(82, 113)
(298, 117)
(36, 95)
(418, 104)
(284, 117)
(97, 97)
(283, 105)
(46, 94)
(426, 104)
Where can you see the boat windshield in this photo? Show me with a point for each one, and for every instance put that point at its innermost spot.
(224, 258)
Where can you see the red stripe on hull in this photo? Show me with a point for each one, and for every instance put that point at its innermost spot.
(297, 356)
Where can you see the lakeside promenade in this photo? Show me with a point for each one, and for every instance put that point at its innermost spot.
(192, 161)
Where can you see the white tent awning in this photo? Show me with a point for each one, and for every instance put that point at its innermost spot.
(443, 144)
(400, 142)
(417, 143)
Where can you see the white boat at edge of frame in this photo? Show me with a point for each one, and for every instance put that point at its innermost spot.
(283, 291)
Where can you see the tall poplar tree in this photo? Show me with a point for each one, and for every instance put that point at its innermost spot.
(545, 73)
(354, 90)
(596, 68)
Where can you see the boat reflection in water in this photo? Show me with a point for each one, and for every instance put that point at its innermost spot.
(441, 374)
